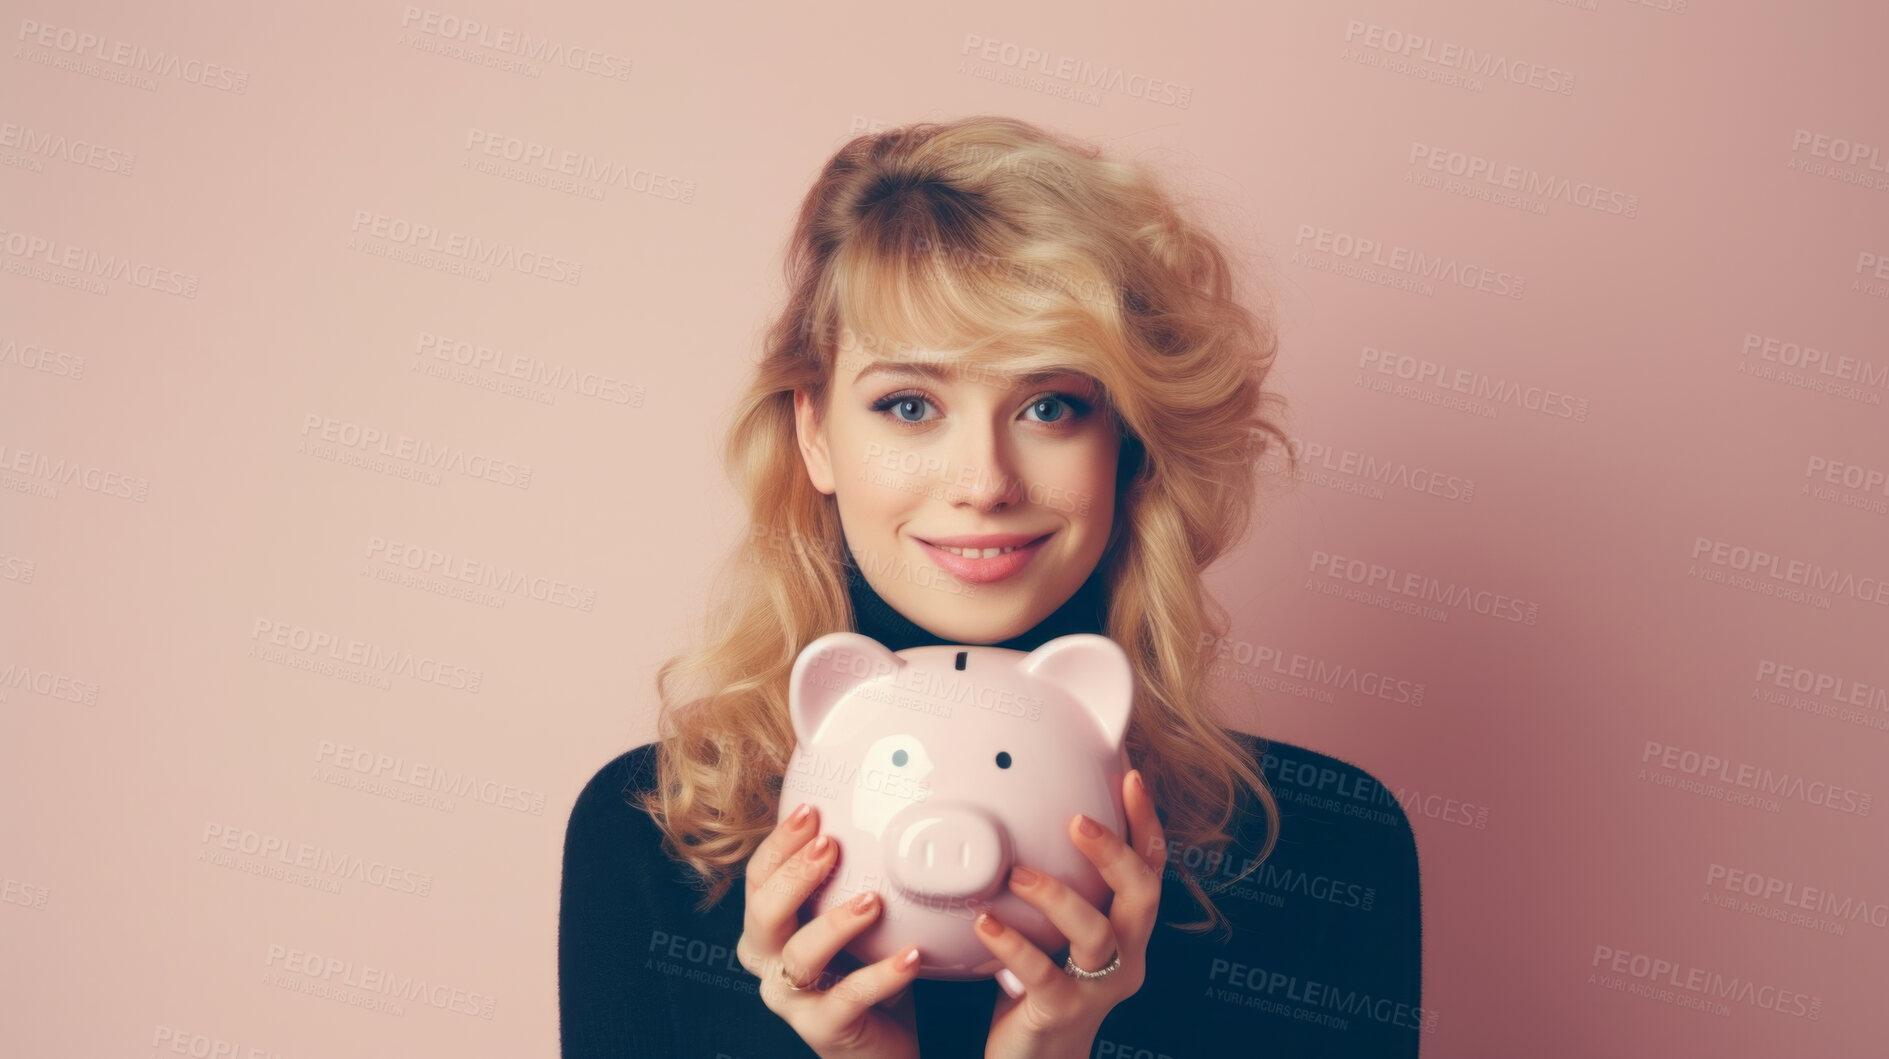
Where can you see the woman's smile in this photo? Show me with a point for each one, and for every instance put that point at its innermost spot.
(982, 559)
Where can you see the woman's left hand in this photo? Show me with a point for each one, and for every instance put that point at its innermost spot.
(1058, 1014)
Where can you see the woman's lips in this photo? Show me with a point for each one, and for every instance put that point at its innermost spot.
(984, 571)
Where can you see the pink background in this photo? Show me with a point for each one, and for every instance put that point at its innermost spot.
(176, 499)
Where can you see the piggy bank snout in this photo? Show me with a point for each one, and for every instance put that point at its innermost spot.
(947, 851)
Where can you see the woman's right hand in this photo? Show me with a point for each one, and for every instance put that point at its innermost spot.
(845, 1020)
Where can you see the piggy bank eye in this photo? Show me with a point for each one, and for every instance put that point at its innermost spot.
(1003, 759)
(899, 758)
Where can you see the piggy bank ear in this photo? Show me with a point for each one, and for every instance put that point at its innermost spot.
(1095, 671)
(828, 668)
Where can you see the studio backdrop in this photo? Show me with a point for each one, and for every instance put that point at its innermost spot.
(363, 370)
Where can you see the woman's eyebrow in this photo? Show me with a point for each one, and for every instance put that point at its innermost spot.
(941, 371)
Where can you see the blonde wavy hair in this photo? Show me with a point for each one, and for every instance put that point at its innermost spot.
(1020, 250)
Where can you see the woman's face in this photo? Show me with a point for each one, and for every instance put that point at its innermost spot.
(919, 457)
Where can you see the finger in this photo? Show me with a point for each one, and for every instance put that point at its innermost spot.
(875, 982)
(774, 907)
(783, 842)
(1144, 823)
(1091, 936)
(813, 946)
(1137, 887)
(1148, 838)
(1020, 956)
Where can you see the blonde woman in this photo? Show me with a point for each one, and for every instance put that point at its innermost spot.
(1013, 395)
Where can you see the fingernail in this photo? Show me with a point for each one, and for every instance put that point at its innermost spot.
(1011, 983)
(909, 958)
(1135, 774)
(989, 925)
(819, 845)
(1024, 876)
(863, 903)
(1089, 827)
(800, 814)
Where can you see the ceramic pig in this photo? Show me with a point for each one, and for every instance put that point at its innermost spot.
(937, 768)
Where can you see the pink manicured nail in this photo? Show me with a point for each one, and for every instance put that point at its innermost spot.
(819, 845)
(1011, 983)
(800, 814)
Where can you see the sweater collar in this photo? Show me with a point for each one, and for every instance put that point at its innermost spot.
(1086, 611)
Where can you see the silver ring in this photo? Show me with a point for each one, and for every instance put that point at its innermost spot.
(1070, 968)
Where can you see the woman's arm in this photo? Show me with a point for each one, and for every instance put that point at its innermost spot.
(609, 1006)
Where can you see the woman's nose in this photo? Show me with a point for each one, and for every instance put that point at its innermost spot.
(983, 474)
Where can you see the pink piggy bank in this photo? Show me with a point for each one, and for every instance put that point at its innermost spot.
(937, 768)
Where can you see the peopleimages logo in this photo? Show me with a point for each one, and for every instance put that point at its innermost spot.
(472, 32)
(81, 44)
(1280, 993)
(91, 264)
(14, 676)
(578, 165)
(1313, 456)
(1316, 671)
(56, 472)
(1461, 57)
(427, 776)
(1754, 778)
(1475, 385)
(76, 150)
(1835, 688)
(1817, 899)
(276, 639)
(309, 857)
(1839, 366)
(1698, 986)
(1324, 787)
(1839, 158)
(366, 985)
(464, 569)
(1077, 72)
(1782, 571)
(469, 250)
(1424, 587)
(1523, 180)
(39, 358)
(421, 455)
(1402, 266)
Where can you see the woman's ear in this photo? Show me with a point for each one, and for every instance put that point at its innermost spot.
(811, 434)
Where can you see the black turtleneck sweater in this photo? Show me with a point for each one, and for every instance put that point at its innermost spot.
(1325, 957)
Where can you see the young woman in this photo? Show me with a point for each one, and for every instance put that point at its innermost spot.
(1013, 395)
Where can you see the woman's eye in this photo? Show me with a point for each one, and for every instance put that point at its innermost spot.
(1058, 404)
(900, 403)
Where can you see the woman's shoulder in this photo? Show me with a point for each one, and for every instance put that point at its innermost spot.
(607, 804)
(632, 770)
(1344, 842)
(1319, 792)
(1326, 954)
